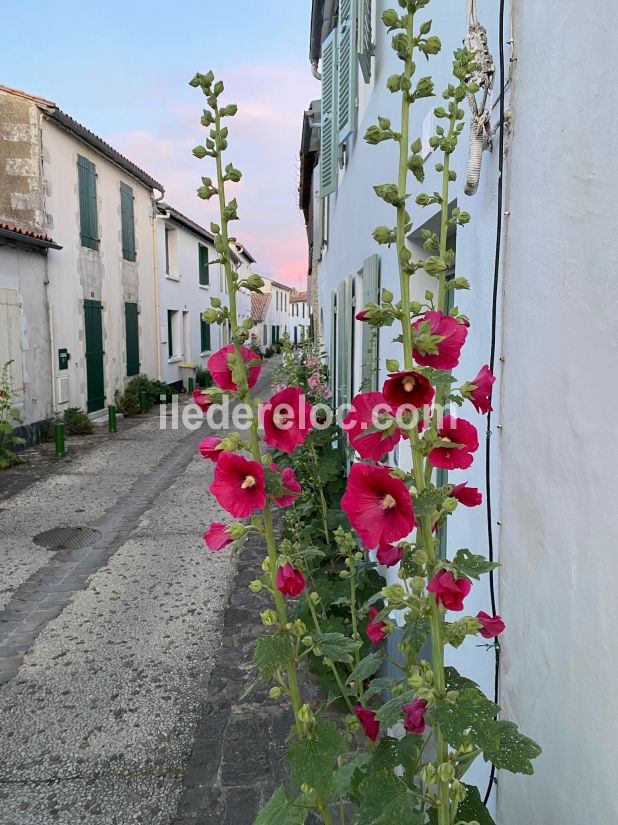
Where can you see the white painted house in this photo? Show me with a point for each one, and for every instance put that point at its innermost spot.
(298, 322)
(271, 311)
(93, 326)
(553, 492)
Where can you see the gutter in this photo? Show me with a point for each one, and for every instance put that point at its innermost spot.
(28, 240)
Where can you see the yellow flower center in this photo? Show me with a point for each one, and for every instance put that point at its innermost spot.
(248, 482)
(388, 502)
(408, 383)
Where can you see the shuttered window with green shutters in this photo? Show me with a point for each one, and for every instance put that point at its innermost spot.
(127, 220)
(346, 68)
(328, 141)
(204, 335)
(365, 38)
(345, 312)
(131, 323)
(87, 185)
(370, 340)
(203, 264)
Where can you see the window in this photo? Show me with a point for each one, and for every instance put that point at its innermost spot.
(273, 334)
(87, 184)
(186, 337)
(173, 334)
(127, 220)
(131, 323)
(171, 254)
(265, 335)
(276, 300)
(204, 335)
(203, 265)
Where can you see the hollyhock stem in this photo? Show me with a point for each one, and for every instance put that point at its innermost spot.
(333, 666)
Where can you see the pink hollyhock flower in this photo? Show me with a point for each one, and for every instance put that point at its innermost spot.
(453, 335)
(389, 554)
(290, 581)
(208, 448)
(200, 397)
(364, 315)
(481, 394)
(378, 505)
(290, 483)
(468, 496)
(408, 388)
(415, 716)
(375, 630)
(371, 445)
(221, 372)
(218, 536)
(313, 380)
(459, 432)
(367, 718)
(287, 419)
(492, 625)
(238, 485)
(449, 590)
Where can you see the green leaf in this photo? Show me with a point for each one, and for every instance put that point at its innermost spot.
(387, 800)
(390, 713)
(416, 632)
(366, 667)
(513, 751)
(471, 565)
(391, 752)
(272, 653)
(336, 646)
(273, 483)
(279, 810)
(472, 808)
(428, 501)
(312, 760)
(342, 780)
(378, 686)
(455, 681)
(469, 713)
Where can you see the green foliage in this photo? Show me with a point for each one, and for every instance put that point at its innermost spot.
(387, 800)
(336, 646)
(272, 653)
(471, 565)
(367, 667)
(76, 422)
(128, 402)
(203, 378)
(312, 759)
(279, 810)
(10, 418)
(513, 751)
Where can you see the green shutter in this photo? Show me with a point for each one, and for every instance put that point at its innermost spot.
(365, 42)
(333, 345)
(170, 333)
(131, 324)
(203, 264)
(370, 340)
(328, 142)
(205, 335)
(346, 69)
(94, 352)
(127, 220)
(87, 184)
(344, 341)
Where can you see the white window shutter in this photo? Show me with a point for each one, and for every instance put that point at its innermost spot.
(365, 38)
(346, 92)
(370, 340)
(328, 125)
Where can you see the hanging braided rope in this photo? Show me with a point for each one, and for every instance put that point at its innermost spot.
(476, 41)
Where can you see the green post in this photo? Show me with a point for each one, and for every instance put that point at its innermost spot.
(190, 385)
(111, 418)
(59, 438)
(143, 401)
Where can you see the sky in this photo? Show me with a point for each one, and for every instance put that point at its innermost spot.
(122, 70)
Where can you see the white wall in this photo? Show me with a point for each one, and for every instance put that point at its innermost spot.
(298, 320)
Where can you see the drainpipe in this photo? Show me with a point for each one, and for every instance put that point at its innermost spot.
(155, 203)
(52, 346)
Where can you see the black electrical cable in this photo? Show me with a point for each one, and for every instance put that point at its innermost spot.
(492, 360)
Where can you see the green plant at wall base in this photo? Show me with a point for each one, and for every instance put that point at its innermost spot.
(10, 418)
(76, 422)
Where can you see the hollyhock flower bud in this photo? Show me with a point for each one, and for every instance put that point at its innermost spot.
(290, 581)
(365, 315)
(221, 372)
(208, 448)
(218, 536)
(268, 617)
(274, 692)
(367, 718)
(448, 337)
(491, 626)
(479, 390)
(291, 486)
(389, 554)
(378, 506)
(255, 586)
(414, 721)
(465, 441)
(202, 399)
(468, 496)
(375, 630)
(238, 485)
(449, 590)
(287, 419)
(367, 407)
(408, 389)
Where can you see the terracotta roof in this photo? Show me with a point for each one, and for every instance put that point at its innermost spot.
(70, 124)
(9, 229)
(298, 296)
(259, 306)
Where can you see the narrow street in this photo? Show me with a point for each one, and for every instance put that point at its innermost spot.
(105, 650)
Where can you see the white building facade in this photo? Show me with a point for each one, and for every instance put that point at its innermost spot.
(298, 323)
(271, 312)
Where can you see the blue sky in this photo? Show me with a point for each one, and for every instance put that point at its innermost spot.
(122, 69)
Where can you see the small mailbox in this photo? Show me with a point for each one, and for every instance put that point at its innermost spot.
(63, 359)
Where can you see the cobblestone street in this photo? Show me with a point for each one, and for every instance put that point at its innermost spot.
(106, 650)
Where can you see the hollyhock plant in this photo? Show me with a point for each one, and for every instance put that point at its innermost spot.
(290, 581)
(468, 496)
(287, 419)
(389, 554)
(290, 483)
(491, 626)
(449, 590)
(202, 399)
(375, 630)
(465, 441)
(451, 336)
(368, 720)
(238, 485)
(408, 388)
(366, 408)
(218, 536)
(378, 505)
(221, 371)
(414, 712)
(208, 448)
(479, 390)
